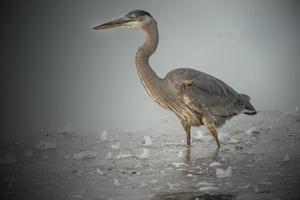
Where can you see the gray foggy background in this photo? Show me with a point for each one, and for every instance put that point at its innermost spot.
(57, 72)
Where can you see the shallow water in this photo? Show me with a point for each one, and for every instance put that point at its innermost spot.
(259, 159)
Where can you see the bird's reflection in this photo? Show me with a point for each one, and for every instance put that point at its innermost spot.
(214, 156)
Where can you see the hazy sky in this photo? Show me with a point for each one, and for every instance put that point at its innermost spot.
(56, 71)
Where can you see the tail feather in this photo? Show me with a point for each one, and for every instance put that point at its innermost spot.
(249, 108)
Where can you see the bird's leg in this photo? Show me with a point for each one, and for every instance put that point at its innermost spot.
(213, 130)
(187, 129)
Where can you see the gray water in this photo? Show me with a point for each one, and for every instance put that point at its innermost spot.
(259, 159)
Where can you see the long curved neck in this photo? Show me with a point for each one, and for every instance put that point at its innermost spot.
(145, 51)
(149, 78)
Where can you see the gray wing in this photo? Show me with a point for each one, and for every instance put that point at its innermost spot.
(205, 94)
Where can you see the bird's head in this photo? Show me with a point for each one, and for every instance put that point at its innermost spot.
(134, 19)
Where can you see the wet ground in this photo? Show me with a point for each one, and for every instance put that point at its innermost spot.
(259, 159)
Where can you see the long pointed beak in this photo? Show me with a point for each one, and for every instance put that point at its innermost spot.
(116, 23)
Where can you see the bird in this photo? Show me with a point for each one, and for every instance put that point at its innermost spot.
(196, 98)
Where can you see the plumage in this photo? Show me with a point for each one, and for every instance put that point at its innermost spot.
(195, 97)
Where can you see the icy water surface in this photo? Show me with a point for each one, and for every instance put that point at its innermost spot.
(259, 159)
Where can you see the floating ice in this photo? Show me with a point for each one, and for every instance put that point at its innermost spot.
(147, 141)
(66, 130)
(8, 159)
(143, 184)
(189, 175)
(244, 186)
(123, 155)
(44, 145)
(99, 171)
(205, 183)
(116, 146)
(233, 141)
(221, 173)
(180, 164)
(109, 155)
(215, 164)
(208, 188)
(286, 158)
(252, 131)
(103, 136)
(145, 154)
(180, 154)
(83, 154)
(28, 153)
(173, 186)
(256, 189)
(199, 135)
(138, 165)
(116, 182)
(265, 183)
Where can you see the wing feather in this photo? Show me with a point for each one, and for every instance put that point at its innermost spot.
(206, 94)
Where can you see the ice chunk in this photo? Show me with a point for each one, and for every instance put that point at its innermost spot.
(256, 189)
(233, 141)
(44, 145)
(103, 136)
(109, 155)
(244, 186)
(67, 130)
(173, 186)
(145, 154)
(116, 182)
(123, 155)
(252, 131)
(221, 173)
(99, 171)
(180, 164)
(143, 185)
(215, 164)
(180, 154)
(84, 154)
(265, 183)
(205, 188)
(147, 141)
(286, 158)
(199, 135)
(28, 153)
(205, 183)
(116, 146)
(8, 159)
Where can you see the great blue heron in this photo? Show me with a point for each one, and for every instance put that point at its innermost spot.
(195, 97)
